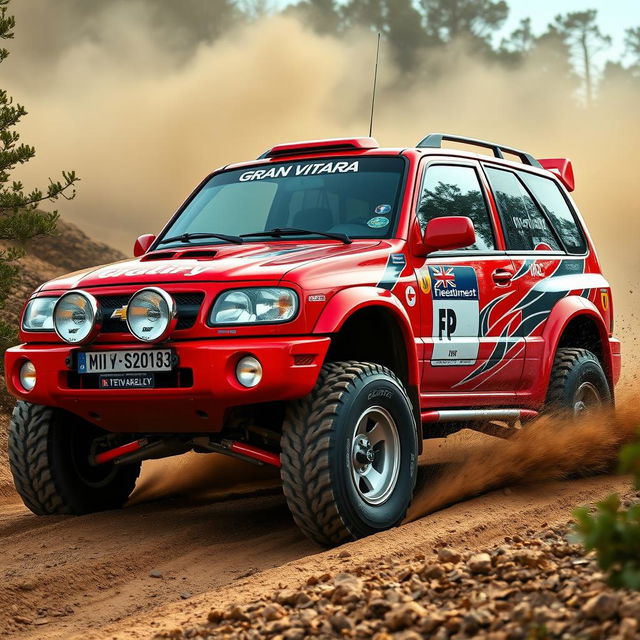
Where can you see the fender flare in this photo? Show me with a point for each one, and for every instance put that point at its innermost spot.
(348, 301)
(561, 315)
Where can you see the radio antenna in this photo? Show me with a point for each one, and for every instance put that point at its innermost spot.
(375, 82)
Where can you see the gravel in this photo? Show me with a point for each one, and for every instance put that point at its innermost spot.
(535, 588)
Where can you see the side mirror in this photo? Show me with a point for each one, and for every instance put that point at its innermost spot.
(142, 244)
(450, 232)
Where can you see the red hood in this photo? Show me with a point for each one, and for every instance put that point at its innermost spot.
(256, 261)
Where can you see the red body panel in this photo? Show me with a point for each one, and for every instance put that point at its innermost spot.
(520, 305)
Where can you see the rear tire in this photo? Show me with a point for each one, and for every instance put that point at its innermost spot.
(578, 384)
(49, 456)
(349, 453)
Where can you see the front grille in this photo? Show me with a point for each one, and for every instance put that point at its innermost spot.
(178, 378)
(188, 305)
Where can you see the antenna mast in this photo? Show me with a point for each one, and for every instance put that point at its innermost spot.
(375, 82)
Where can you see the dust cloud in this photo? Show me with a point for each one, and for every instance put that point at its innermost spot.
(549, 448)
(202, 477)
(142, 118)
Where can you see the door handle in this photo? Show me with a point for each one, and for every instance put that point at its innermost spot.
(502, 276)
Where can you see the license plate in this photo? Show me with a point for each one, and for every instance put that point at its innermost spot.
(127, 381)
(144, 361)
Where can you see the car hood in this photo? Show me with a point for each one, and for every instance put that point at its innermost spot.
(256, 261)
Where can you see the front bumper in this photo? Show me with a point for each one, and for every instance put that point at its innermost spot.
(290, 370)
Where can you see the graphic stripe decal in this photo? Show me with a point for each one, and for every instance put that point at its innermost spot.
(396, 263)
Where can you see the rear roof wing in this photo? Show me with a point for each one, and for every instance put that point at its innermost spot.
(562, 169)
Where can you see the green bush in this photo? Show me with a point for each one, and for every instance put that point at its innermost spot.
(613, 531)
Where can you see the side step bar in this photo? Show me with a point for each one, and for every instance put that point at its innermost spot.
(500, 423)
(477, 415)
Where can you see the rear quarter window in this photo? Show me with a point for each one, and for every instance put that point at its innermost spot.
(525, 226)
(558, 211)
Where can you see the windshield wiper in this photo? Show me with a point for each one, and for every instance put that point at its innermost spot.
(188, 237)
(290, 231)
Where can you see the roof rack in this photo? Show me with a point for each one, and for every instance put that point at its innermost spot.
(434, 141)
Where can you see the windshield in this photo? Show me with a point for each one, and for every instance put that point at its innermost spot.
(356, 197)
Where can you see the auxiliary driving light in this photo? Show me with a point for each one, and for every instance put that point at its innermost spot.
(249, 371)
(151, 314)
(77, 318)
(28, 375)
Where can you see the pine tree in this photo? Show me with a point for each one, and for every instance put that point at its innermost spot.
(20, 218)
(583, 35)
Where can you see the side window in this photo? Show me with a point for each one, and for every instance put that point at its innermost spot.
(450, 190)
(525, 226)
(550, 197)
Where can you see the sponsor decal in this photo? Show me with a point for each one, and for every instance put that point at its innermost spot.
(424, 280)
(296, 170)
(151, 271)
(456, 315)
(396, 263)
(536, 270)
(379, 222)
(410, 296)
(127, 381)
(382, 209)
(604, 299)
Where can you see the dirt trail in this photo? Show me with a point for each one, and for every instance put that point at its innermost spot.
(90, 576)
(465, 525)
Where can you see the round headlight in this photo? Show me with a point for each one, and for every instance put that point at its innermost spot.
(28, 375)
(77, 317)
(151, 314)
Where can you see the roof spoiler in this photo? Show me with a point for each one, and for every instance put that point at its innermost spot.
(320, 146)
(562, 168)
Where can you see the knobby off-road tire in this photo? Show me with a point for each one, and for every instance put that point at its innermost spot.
(577, 384)
(49, 458)
(326, 451)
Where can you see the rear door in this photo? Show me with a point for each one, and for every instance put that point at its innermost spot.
(548, 248)
(465, 347)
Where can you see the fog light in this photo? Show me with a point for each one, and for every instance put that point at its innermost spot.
(249, 371)
(28, 375)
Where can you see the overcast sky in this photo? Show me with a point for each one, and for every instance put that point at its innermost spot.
(614, 16)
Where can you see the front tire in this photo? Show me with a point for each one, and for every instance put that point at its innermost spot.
(49, 456)
(349, 453)
(578, 384)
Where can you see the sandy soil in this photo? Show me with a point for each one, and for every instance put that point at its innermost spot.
(93, 576)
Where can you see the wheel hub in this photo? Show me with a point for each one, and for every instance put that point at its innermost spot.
(587, 398)
(375, 455)
(363, 453)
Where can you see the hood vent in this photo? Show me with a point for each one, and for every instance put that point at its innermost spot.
(193, 254)
(158, 255)
(199, 254)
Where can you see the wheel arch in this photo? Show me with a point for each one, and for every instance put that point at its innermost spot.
(576, 322)
(369, 324)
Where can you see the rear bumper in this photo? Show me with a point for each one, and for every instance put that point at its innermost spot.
(616, 359)
(290, 370)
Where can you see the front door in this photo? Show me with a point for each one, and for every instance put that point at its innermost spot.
(469, 357)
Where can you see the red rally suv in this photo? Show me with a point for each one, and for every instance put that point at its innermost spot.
(323, 309)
